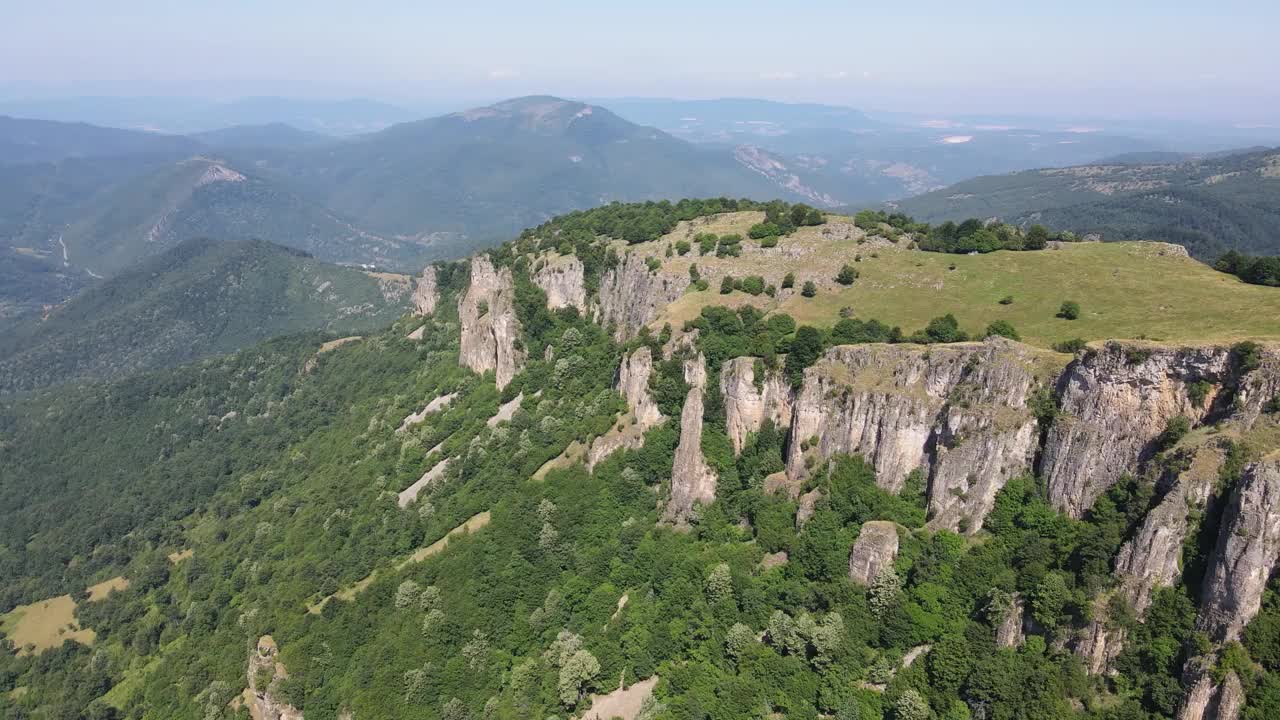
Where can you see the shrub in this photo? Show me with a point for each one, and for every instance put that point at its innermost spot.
(1070, 310)
(1003, 328)
(683, 247)
(809, 290)
(1176, 429)
(1073, 346)
(847, 275)
(1248, 355)
(653, 264)
(1006, 300)
(789, 281)
(753, 284)
(944, 329)
(1198, 391)
(726, 285)
(706, 242)
(1272, 406)
(764, 230)
(769, 241)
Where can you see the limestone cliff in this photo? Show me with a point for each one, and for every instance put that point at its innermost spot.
(692, 480)
(632, 382)
(1115, 402)
(1010, 633)
(425, 292)
(264, 676)
(875, 549)
(631, 294)
(750, 400)
(1246, 552)
(563, 280)
(957, 412)
(490, 329)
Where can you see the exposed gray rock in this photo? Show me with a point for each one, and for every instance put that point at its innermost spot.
(958, 412)
(1115, 402)
(428, 479)
(692, 480)
(1009, 633)
(875, 549)
(1248, 545)
(1206, 700)
(631, 294)
(436, 405)
(747, 406)
(425, 292)
(632, 381)
(264, 701)
(806, 506)
(490, 329)
(563, 280)
(506, 411)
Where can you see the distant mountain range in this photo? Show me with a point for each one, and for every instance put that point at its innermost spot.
(200, 298)
(1207, 203)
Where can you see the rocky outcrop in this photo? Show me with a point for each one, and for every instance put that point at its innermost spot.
(875, 549)
(434, 406)
(1206, 700)
(750, 400)
(632, 382)
(1246, 552)
(957, 412)
(563, 280)
(505, 412)
(631, 295)
(692, 480)
(264, 676)
(1115, 402)
(428, 479)
(490, 329)
(1010, 633)
(425, 292)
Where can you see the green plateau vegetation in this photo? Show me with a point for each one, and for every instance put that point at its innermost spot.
(1209, 205)
(201, 298)
(237, 492)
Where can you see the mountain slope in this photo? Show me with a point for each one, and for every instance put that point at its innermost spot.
(525, 506)
(33, 141)
(200, 298)
(269, 135)
(1209, 204)
(470, 178)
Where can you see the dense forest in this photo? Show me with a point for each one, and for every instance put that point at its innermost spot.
(281, 469)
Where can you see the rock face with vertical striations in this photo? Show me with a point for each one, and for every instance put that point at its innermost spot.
(875, 549)
(1115, 403)
(490, 329)
(1247, 549)
(1009, 632)
(692, 480)
(563, 279)
(750, 400)
(632, 381)
(631, 295)
(957, 412)
(426, 294)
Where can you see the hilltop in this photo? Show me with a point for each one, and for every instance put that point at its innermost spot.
(200, 298)
(579, 476)
(1209, 204)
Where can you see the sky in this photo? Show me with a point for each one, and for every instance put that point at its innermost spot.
(1177, 58)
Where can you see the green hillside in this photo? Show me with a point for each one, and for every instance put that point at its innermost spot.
(24, 141)
(252, 501)
(1209, 205)
(200, 298)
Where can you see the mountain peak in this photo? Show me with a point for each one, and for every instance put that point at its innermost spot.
(539, 113)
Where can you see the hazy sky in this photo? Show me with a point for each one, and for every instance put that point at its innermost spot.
(1211, 58)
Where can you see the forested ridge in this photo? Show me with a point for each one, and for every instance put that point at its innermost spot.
(280, 469)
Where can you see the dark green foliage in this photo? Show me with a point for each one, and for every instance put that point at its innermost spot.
(805, 350)
(1070, 310)
(789, 281)
(1254, 270)
(1247, 355)
(944, 329)
(810, 289)
(1198, 391)
(1006, 300)
(726, 285)
(1073, 346)
(1176, 429)
(1002, 328)
(753, 284)
(852, 331)
(847, 275)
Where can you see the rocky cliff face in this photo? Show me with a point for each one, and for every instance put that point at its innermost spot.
(1247, 549)
(425, 292)
(264, 675)
(563, 280)
(957, 412)
(490, 329)
(1115, 402)
(875, 549)
(631, 295)
(692, 480)
(750, 400)
(632, 381)
(1009, 633)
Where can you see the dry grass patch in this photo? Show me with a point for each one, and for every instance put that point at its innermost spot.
(43, 625)
(106, 587)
